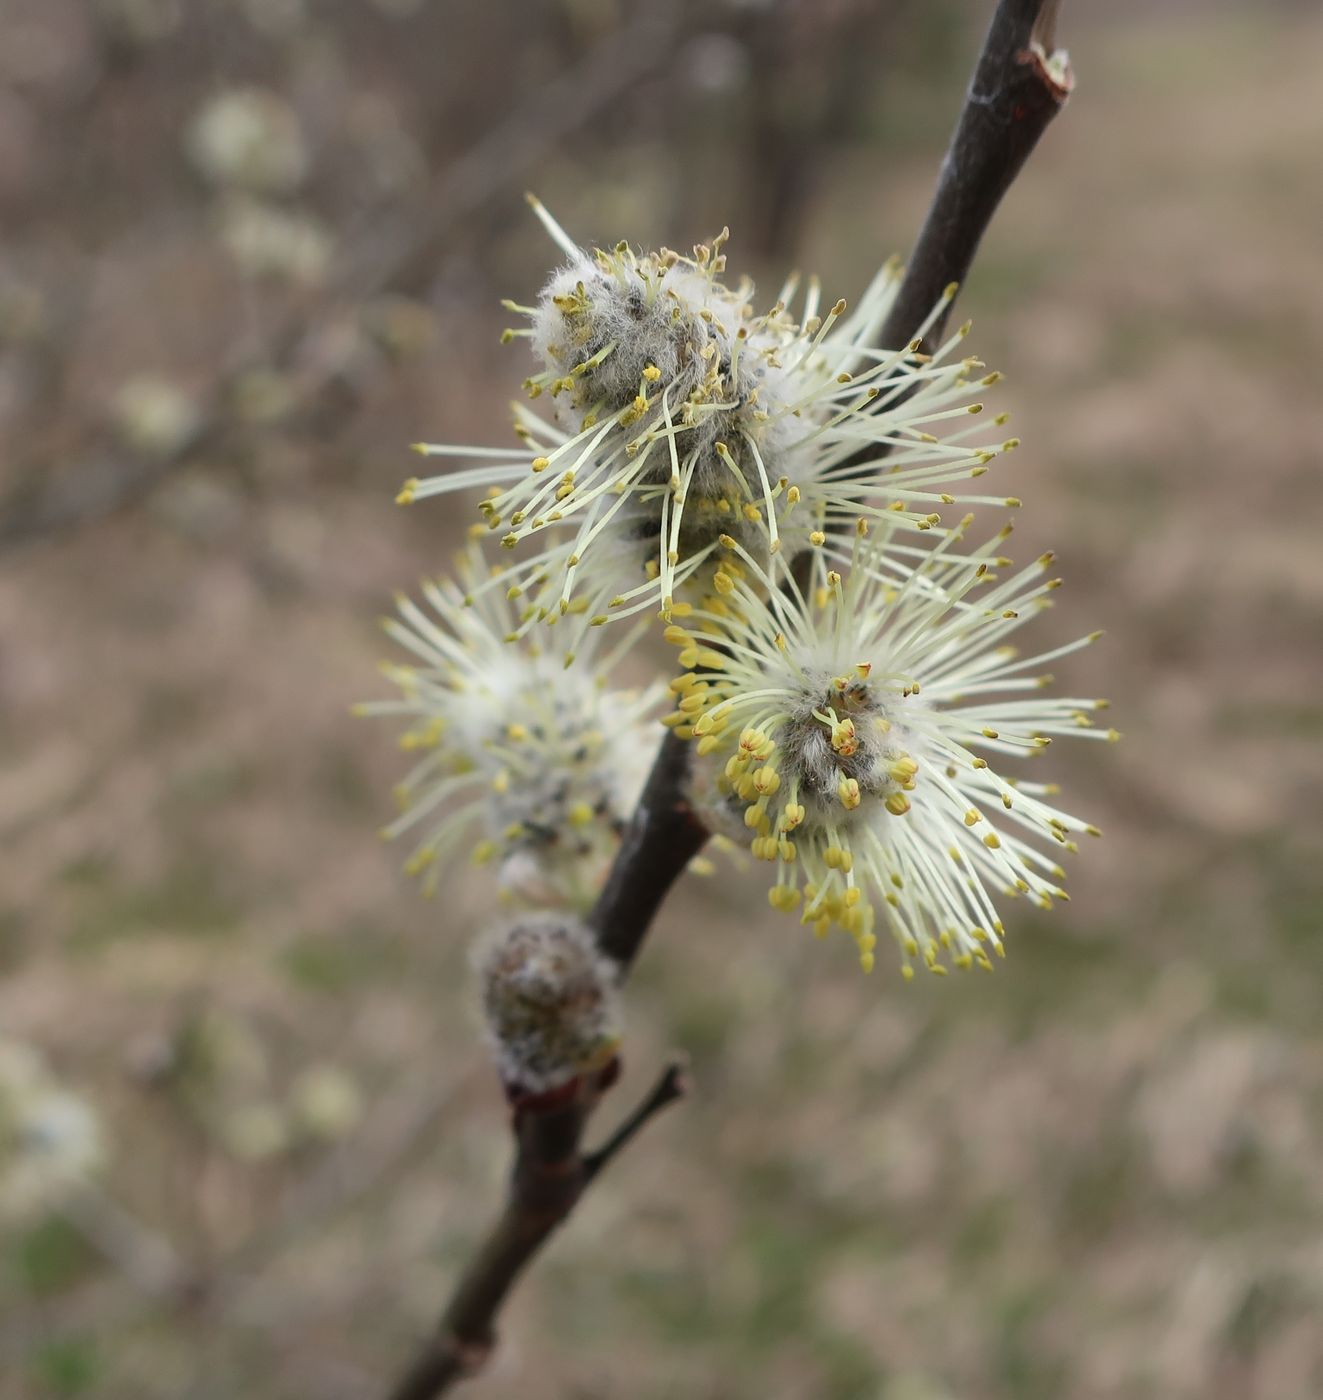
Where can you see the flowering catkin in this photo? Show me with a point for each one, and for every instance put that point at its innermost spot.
(680, 415)
(774, 486)
(850, 729)
(528, 762)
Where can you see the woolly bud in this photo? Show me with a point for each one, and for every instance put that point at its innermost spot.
(550, 1002)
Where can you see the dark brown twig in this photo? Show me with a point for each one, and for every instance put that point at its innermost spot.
(551, 1172)
(662, 839)
(1018, 86)
(671, 1086)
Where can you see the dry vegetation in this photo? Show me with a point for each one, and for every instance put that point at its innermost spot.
(1096, 1174)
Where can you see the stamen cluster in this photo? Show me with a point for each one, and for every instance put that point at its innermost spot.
(772, 486)
(532, 764)
(680, 415)
(848, 727)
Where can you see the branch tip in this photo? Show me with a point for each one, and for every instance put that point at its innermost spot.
(672, 1084)
(1044, 31)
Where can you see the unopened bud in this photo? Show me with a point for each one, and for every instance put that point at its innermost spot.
(549, 998)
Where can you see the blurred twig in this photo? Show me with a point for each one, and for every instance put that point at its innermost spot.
(551, 1173)
(226, 1286)
(1018, 86)
(347, 1176)
(55, 497)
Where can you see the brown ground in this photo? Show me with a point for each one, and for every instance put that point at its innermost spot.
(1097, 1174)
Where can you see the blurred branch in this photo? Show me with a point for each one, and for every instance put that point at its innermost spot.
(550, 1173)
(146, 1259)
(351, 1173)
(231, 1286)
(671, 1086)
(1019, 84)
(109, 477)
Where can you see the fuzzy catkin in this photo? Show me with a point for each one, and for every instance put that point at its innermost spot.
(549, 1000)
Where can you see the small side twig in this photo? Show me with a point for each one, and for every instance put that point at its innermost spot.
(1019, 84)
(550, 1174)
(672, 1085)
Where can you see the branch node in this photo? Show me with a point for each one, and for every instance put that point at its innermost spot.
(673, 1084)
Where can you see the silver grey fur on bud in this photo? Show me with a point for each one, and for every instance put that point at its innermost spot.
(719, 369)
(549, 1000)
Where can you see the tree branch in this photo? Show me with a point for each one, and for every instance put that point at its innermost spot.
(1019, 84)
(671, 1086)
(662, 839)
(551, 1172)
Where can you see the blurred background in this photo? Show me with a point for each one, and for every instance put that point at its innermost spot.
(251, 249)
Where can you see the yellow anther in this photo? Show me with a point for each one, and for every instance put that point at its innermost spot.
(420, 860)
(844, 740)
